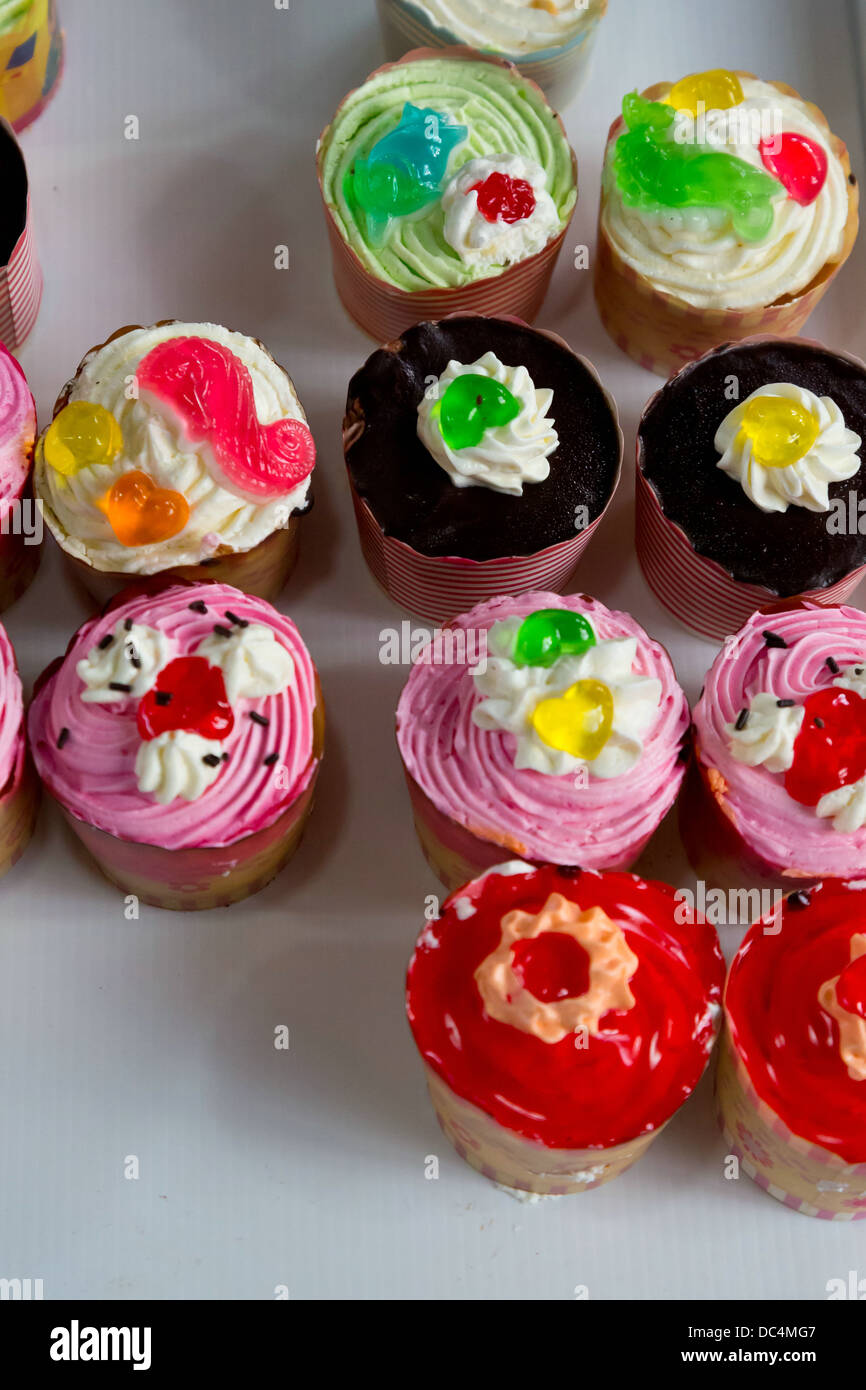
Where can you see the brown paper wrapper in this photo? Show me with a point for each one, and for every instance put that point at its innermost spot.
(263, 570)
(805, 1177)
(19, 806)
(512, 1161)
(383, 310)
(211, 876)
(661, 332)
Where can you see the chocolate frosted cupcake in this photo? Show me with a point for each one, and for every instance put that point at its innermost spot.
(481, 455)
(749, 471)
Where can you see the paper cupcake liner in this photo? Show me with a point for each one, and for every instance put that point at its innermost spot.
(803, 1176)
(263, 570)
(512, 1161)
(31, 65)
(560, 72)
(699, 592)
(19, 805)
(661, 332)
(197, 878)
(384, 310)
(19, 560)
(20, 279)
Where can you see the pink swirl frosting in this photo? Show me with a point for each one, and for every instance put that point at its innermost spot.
(17, 429)
(788, 835)
(91, 769)
(11, 711)
(469, 773)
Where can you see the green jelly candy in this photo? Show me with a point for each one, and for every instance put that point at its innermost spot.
(472, 404)
(550, 633)
(405, 168)
(655, 171)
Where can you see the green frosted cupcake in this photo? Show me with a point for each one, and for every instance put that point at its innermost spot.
(448, 185)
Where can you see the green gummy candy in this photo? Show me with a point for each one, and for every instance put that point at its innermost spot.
(550, 633)
(472, 404)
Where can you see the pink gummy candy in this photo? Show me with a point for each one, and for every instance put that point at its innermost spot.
(211, 392)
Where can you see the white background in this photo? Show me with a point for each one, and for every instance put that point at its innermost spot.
(155, 1038)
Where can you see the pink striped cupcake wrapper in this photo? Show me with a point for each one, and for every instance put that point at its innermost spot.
(775, 1158)
(699, 592)
(20, 285)
(559, 72)
(384, 310)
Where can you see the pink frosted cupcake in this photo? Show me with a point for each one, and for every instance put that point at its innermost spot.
(181, 735)
(19, 537)
(779, 792)
(542, 728)
(19, 789)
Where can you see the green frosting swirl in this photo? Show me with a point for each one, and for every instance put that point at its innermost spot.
(504, 116)
(13, 13)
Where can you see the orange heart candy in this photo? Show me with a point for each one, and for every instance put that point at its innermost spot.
(141, 513)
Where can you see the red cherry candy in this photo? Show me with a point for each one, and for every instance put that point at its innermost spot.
(199, 703)
(851, 987)
(552, 966)
(800, 164)
(504, 199)
(210, 390)
(830, 749)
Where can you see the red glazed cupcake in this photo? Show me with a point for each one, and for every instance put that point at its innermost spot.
(791, 1085)
(563, 1017)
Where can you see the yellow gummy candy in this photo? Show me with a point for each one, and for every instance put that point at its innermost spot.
(82, 434)
(718, 89)
(780, 430)
(578, 722)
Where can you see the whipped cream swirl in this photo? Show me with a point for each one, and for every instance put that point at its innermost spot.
(512, 27)
(508, 455)
(479, 242)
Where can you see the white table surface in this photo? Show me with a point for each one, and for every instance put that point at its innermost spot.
(261, 1168)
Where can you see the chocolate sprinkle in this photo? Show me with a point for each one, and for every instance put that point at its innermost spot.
(773, 639)
(233, 618)
(259, 718)
(858, 670)
(742, 720)
(226, 757)
(212, 759)
(62, 737)
(163, 697)
(833, 664)
(221, 630)
(199, 606)
(819, 723)
(106, 641)
(270, 759)
(120, 685)
(785, 704)
(797, 901)
(127, 625)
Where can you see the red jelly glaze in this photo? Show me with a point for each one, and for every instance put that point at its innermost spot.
(552, 966)
(633, 1074)
(210, 390)
(800, 164)
(504, 199)
(199, 703)
(830, 749)
(789, 1044)
(851, 987)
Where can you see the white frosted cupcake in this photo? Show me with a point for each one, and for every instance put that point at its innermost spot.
(181, 449)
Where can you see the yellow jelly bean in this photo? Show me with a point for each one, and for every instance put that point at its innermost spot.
(780, 430)
(578, 722)
(717, 89)
(80, 435)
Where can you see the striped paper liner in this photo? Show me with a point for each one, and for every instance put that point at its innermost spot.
(699, 592)
(20, 289)
(801, 1175)
(31, 64)
(661, 332)
(560, 72)
(384, 310)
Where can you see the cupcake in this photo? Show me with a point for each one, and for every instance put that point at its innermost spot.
(20, 528)
(181, 736)
(727, 207)
(792, 1064)
(482, 454)
(541, 727)
(19, 789)
(20, 275)
(179, 450)
(749, 470)
(551, 42)
(779, 796)
(563, 1017)
(448, 185)
(31, 58)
